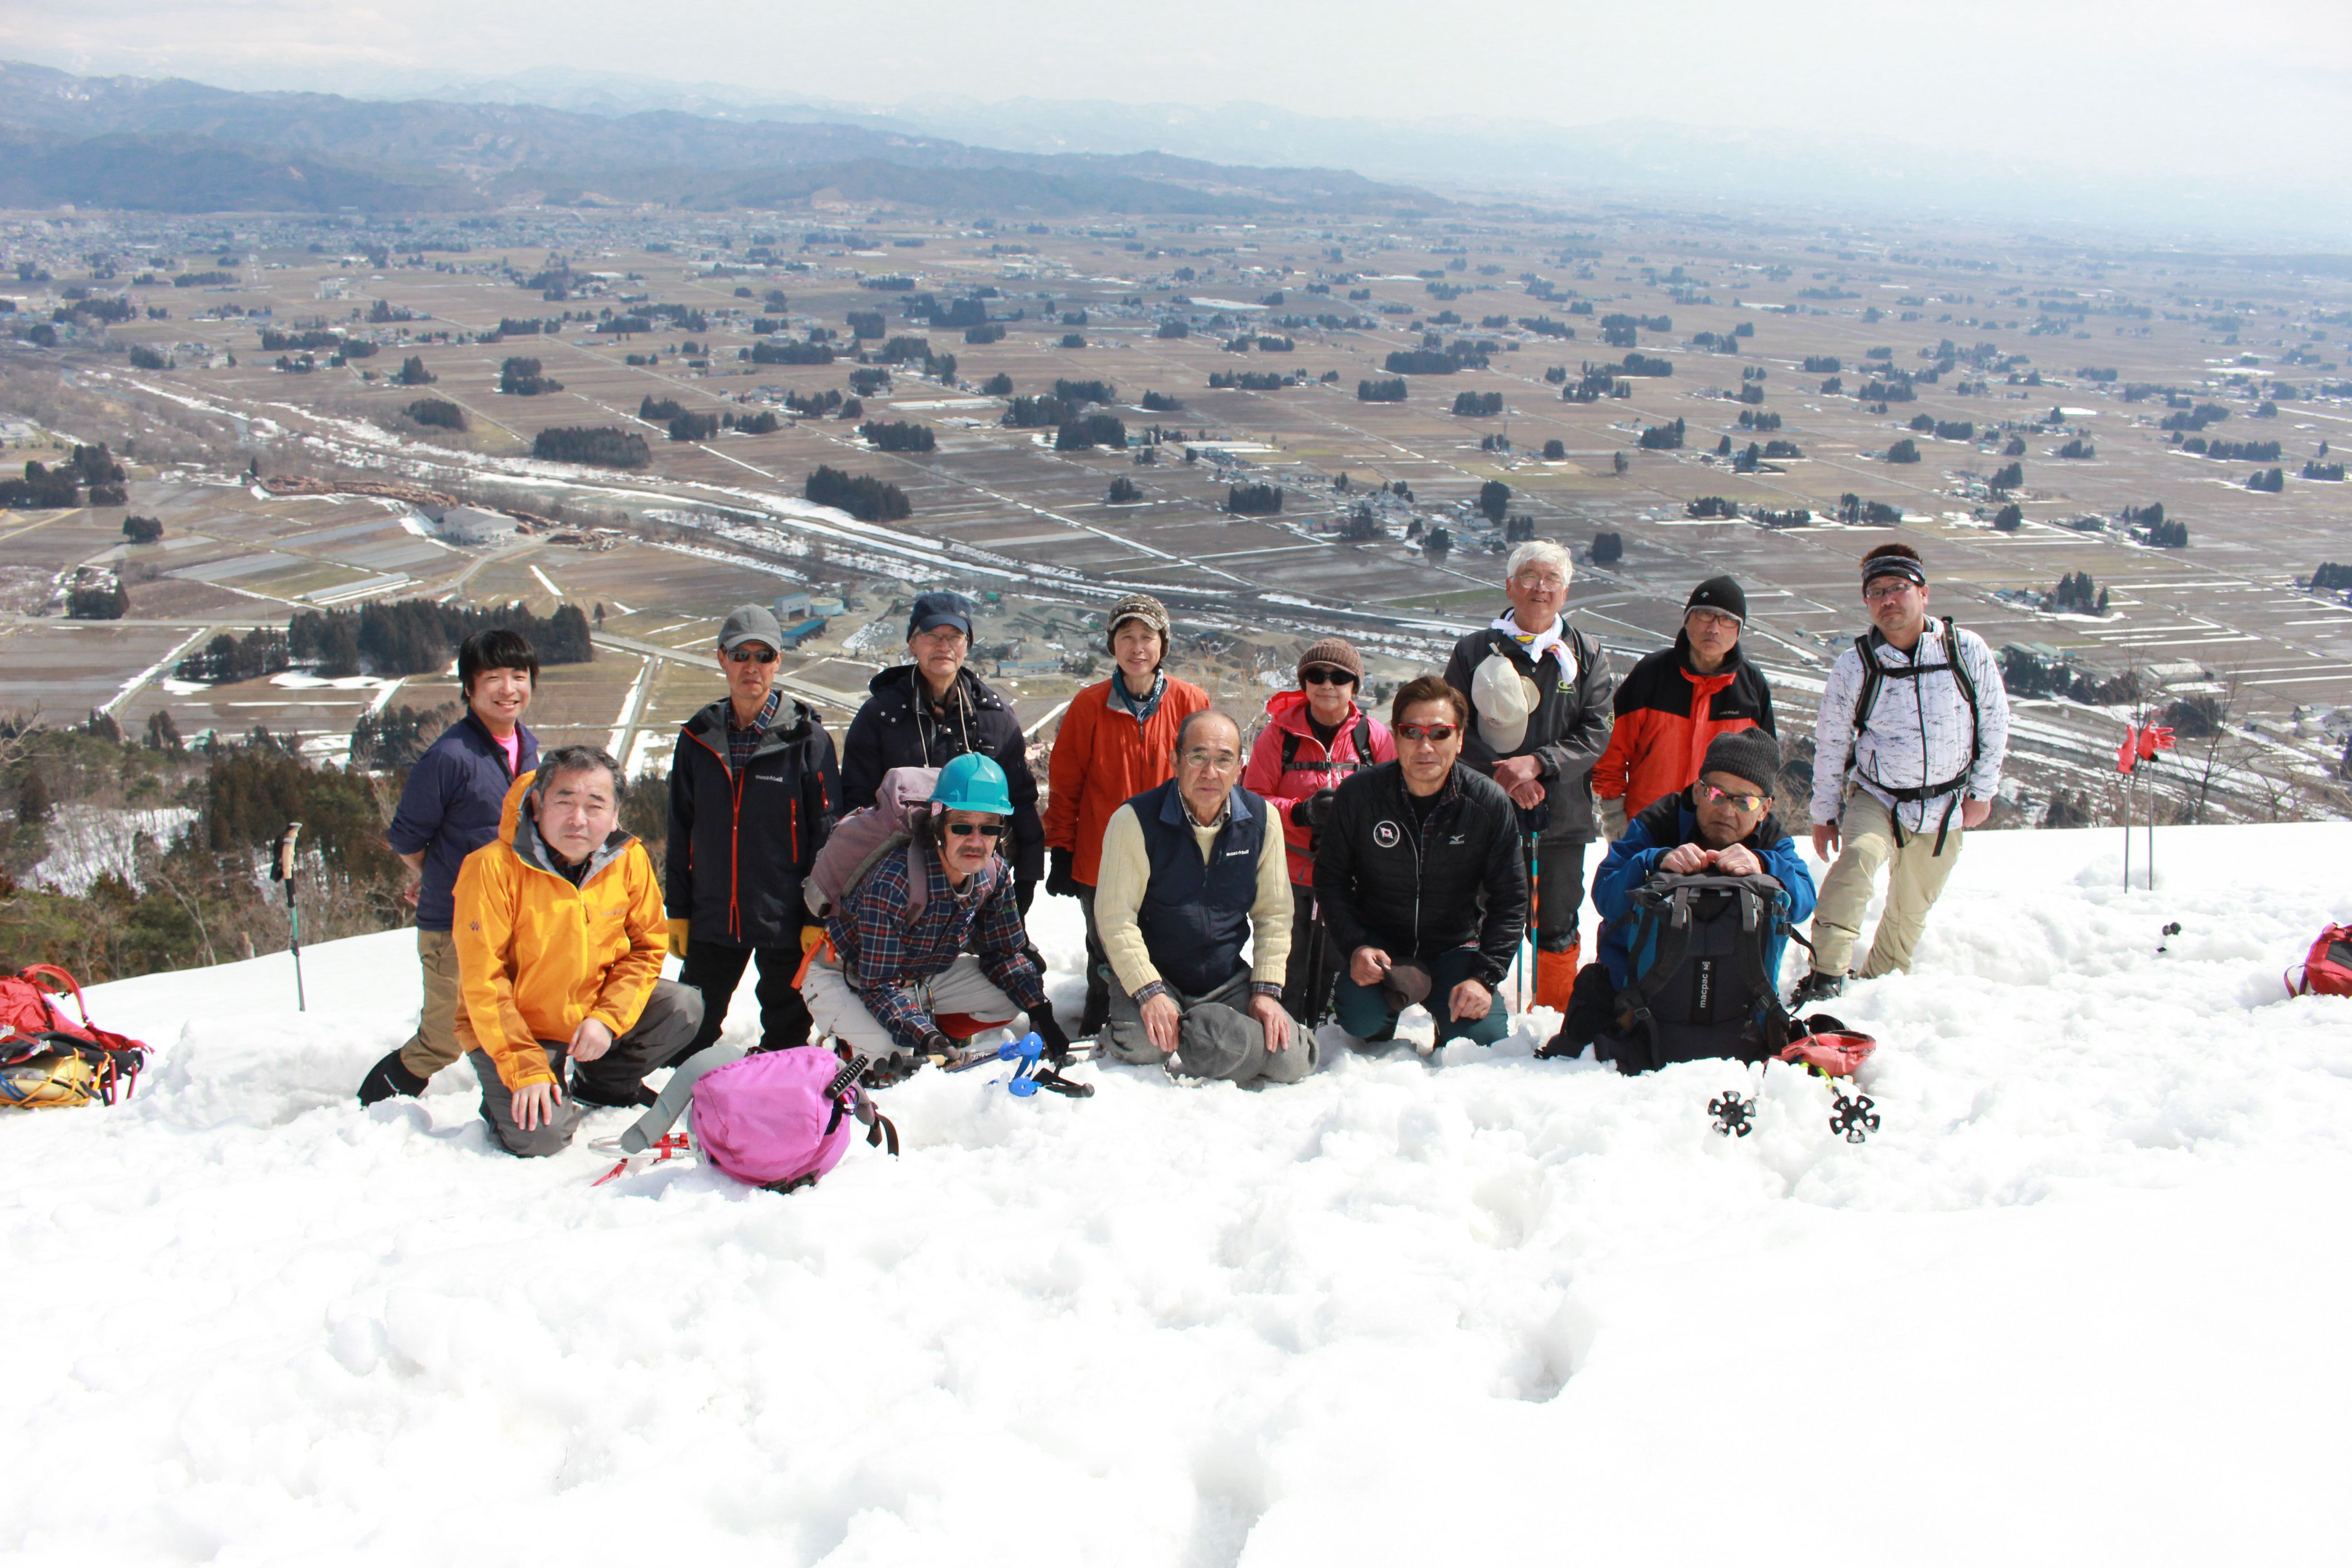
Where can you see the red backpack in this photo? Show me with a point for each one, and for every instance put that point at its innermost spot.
(2327, 968)
(47, 1059)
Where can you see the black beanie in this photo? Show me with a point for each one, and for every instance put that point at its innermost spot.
(1719, 594)
(1749, 754)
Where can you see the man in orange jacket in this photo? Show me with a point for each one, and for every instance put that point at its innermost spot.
(560, 937)
(1676, 701)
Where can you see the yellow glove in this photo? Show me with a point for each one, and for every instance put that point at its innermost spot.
(810, 937)
(678, 929)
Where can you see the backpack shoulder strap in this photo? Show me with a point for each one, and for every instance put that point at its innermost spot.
(1363, 740)
(1961, 678)
(1289, 749)
(1874, 676)
(919, 880)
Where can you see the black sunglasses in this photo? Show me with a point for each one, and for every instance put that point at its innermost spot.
(752, 655)
(985, 829)
(1324, 675)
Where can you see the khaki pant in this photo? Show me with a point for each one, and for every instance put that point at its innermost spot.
(435, 1044)
(962, 987)
(1866, 843)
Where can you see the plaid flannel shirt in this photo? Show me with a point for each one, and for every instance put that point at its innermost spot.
(869, 930)
(743, 740)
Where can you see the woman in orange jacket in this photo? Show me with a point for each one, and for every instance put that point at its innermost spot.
(1676, 701)
(1118, 739)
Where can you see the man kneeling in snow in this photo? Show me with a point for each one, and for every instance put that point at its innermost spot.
(890, 971)
(561, 937)
(1188, 870)
(1721, 826)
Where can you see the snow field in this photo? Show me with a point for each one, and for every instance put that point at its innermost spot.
(2076, 1302)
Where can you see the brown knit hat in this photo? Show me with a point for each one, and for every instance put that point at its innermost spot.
(1336, 652)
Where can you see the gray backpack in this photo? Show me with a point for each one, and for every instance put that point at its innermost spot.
(860, 840)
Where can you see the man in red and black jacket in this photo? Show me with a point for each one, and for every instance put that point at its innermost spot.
(754, 791)
(1676, 701)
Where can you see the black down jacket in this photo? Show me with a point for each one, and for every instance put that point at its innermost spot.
(898, 727)
(1414, 892)
(739, 843)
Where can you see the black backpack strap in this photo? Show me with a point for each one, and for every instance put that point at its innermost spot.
(1666, 921)
(1289, 749)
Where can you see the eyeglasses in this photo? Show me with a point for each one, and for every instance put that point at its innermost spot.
(1887, 588)
(752, 655)
(1713, 620)
(1711, 795)
(1436, 734)
(1542, 585)
(1222, 762)
(1324, 675)
(985, 829)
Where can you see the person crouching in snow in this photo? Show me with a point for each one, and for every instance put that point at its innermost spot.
(1314, 738)
(1724, 826)
(1190, 869)
(884, 981)
(1422, 880)
(560, 937)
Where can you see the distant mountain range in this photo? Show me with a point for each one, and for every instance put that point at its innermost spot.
(173, 145)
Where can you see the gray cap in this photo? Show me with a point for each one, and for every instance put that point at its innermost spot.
(750, 623)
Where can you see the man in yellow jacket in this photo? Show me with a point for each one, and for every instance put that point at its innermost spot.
(561, 937)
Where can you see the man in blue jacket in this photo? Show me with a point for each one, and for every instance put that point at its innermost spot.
(1724, 824)
(449, 809)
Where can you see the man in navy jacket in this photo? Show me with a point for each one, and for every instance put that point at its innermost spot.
(449, 809)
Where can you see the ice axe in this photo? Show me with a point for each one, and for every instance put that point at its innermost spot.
(281, 870)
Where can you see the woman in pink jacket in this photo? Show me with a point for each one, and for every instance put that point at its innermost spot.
(1314, 737)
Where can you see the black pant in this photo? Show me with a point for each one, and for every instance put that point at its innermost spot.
(715, 969)
(1098, 1009)
(1315, 961)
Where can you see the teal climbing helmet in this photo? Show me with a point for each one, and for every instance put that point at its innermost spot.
(972, 783)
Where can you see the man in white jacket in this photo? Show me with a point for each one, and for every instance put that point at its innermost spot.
(1907, 756)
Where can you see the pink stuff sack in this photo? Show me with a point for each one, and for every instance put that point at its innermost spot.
(774, 1119)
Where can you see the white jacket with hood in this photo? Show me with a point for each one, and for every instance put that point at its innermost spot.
(1918, 732)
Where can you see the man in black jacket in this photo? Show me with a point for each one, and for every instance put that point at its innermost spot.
(930, 708)
(753, 790)
(1419, 874)
(1539, 691)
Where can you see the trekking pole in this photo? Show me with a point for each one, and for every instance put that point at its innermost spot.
(281, 870)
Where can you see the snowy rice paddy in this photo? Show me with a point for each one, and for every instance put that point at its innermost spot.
(2080, 1301)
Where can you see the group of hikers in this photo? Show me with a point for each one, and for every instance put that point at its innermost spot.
(1237, 893)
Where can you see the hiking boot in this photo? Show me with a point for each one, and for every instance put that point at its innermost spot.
(389, 1077)
(627, 1097)
(1814, 988)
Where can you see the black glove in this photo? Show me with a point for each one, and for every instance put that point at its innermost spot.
(1058, 880)
(1041, 1021)
(1318, 806)
(1024, 893)
(937, 1045)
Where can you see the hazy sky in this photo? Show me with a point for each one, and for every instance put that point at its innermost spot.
(2144, 85)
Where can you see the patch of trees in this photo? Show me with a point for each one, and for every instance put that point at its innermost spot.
(813, 404)
(2271, 480)
(2009, 519)
(1173, 330)
(143, 530)
(273, 343)
(905, 350)
(98, 601)
(437, 412)
(2025, 675)
(1796, 518)
(1122, 491)
(1073, 339)
(791, 354)
(1478, 404)
(1249, 380)
(518, 327)
(686, 427)
(1542, 326)
(899, 436)
(2332, 578)
(888, 285)
(1421, 361)
(2195, 419)
(1854, 510)
(1362, 526)
(1899, 391)
(1086, 391)
(1647, 364)
(1494, 500)
(2077, 594)
(227, 657)
(1380, 391)
(1774, 450)
(2331, 472)
(862, 496)
(1663, 437)
(1906, 450)
(2238, 452)
(2008, 476)
(1163, 403)
(1025, 411)
(998, 385)
(867, 324)
(1607, 548)
(523, 378)
(867, 380)
(414, 374)
(1555, 450)
(419, 637)
(2167, 533)
(1254, 501)
(1088, 431)
(145, 358)
(2078, 447)
(599, 446)
(659, 410)
(763, 423)
(987, 332)
(1710, 507)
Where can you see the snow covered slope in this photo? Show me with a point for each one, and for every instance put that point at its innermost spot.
(2081, 1300)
